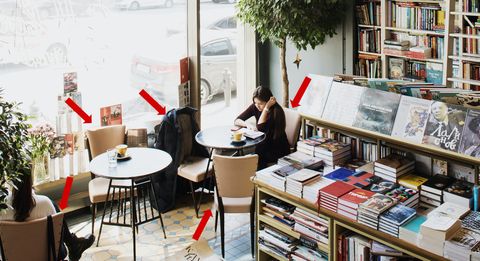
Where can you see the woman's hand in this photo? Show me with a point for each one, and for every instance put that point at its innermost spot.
(270, 103)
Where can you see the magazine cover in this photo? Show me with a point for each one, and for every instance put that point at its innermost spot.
(377, 111)
(57, 147)
(411, 119)
(61, 106)
(470, 144)
(70, 143)
(445, 125)
(342, 103)
(70, 82)
(111, 115)
(315, 97)
(396, 67)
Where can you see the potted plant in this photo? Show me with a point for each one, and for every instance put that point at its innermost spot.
(303, 22)
(14, 158)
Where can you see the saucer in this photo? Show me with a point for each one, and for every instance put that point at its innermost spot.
(126, 157)
(239, 142)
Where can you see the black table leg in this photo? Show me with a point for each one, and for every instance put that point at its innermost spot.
(104, 209)
(132, 217)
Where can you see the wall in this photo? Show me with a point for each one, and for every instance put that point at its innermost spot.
(326, 59)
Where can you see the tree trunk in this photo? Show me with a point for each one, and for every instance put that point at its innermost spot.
(283, 65)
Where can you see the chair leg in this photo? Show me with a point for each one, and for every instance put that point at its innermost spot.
(216, 220)
(193, 197)
(252, 231)
(222, 232)
(94, 213)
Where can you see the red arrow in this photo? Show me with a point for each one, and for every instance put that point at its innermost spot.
(66, 193)
(296, 101)
(159, 108)
(86, 118)
(206, 215)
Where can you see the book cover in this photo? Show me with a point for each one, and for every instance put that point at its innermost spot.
(445, 125)
(360, 179)
(336, 189)
(411, 181)
(462, 172)
(286, 171)
(315, 97)
(378, 203)
(461, 188)
(411, 119)
(439, 182)
(339, 174)
(434, 73)
(398, 214)
(356, 196)
(377, 111)
(382, 187)
(414, 224)
(402, 194)
(304, 175)
(341, 93)
(394, 162)
(472, 221)
(111, 115)
(61, 105)
(470, 143)
(396, 68)
(184, 75)
(58, 147)
(70, 143)
(70, 82)
(451, 210)
(466, 238)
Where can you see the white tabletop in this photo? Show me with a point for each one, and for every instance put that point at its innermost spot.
(144, 162)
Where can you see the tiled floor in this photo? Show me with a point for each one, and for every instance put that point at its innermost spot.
(180, 224)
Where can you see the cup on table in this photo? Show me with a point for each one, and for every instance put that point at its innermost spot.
(237, 136)
(122, 150)
(112, 157)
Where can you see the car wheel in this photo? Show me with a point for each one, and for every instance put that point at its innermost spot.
(56, 54)
(134, 6)
(204, 91)
(168, 3)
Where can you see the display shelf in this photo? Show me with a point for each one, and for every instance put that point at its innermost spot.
(414, 31)
(465, 13)
(368, 26)
(370, 53)
(415, 59)
(474, 82)
(464, 58)
(263, 252)
(468, 36)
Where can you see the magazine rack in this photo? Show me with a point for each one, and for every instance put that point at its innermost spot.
(339, 223)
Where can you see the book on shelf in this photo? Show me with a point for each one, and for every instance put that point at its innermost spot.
(377, 111)
(349, 202)
(436, 230)
(451, 210)
(296, 181)
(339, 174)
(359, 179)
(314, 99)
(286, 170)
(472, 221)
(434, 73)
(329, 195)
(409, 230)
(460, 246)
(377, 204)
(469, 144)
(411, 119)
(436, 184)
(382, 186)
(396, 68)
(404, 196)
(341, 93)
(412, 181)
(311, 190)
(393, 218)
(394, 163)
(459, 192)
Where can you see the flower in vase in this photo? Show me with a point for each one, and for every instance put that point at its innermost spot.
(40, 137)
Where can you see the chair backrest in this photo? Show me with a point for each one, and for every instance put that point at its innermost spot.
(293, 124)
(16, 237)
(185, 124)
(233, 175)
(102, 139)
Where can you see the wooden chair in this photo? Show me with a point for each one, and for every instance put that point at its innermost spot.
(99, 141)
(29, 240)
(234, 192)
(293, 124)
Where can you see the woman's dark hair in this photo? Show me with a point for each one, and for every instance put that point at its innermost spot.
(23, 201)
(264, 94)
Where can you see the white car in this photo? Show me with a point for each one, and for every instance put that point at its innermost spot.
(137, 4)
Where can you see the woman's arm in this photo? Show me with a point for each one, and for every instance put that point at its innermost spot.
(264, 116)
(245, 115)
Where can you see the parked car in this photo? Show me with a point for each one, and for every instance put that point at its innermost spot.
(159, 71)
(225, 23)
(137, 4)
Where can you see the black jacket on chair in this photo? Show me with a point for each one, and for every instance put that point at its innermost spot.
(170, 137)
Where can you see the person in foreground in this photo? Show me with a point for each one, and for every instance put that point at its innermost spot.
(270, 120)
(29, 206)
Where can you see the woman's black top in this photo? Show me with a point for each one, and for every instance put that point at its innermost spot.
(274, 146)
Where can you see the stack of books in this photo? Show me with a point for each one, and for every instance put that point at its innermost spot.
(393, 166)
(266, 175)
(411, 181)
(472, 221)
(311, 190)
(459, 192)
(359, 179)
(330, 194)
(404, 196)
(304, 253)
(382, 186)
(275, 241)
(460, 246)
(332, 152)
(409, 231)
(370, 210)
(296, 181)
(307, 146)
(280, 174)
(441, 225)
(395, 47)
(341, 174)
(310, 226)
(301, 160)
(278, 210)
(393, 218)
(348, 203)
(431, 193)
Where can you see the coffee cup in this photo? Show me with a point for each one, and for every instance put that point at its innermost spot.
(122, 150)
(237, 136)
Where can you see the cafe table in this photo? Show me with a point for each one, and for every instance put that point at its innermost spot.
(134, 176)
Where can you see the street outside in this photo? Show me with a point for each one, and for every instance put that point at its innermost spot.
(101, 48)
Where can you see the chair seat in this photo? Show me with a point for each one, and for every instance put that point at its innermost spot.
(234, 205)
(98, 188)
(194, 168)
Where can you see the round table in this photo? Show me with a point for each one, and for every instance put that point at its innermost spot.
(138, 171)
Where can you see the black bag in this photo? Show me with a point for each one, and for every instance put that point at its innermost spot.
(51, 240)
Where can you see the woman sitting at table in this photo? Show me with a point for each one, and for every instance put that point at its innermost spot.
(29, 206)
(270, 120)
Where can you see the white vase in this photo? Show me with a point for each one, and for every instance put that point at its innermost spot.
(40, 169)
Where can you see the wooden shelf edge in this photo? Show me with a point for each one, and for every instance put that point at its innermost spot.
(465, 13)
(61, 181)
(402, 143)
(416, 59)
(414, 31)
(278, 225)
(272, 254)
(470, 36)
(474, 82)
(464, 58)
